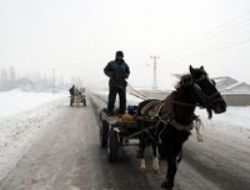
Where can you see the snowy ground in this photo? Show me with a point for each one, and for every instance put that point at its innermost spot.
(232, 126)
(54, 146)
(18, 113)
(16, 101)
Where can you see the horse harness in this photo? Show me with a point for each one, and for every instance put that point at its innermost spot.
(155, 107)
(153, 110)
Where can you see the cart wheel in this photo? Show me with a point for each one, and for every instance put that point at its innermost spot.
(103, 134)
(112, 146)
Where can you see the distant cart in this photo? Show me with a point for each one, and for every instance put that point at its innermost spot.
(77, 100)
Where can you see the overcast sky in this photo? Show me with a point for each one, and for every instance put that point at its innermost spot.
(79, 37)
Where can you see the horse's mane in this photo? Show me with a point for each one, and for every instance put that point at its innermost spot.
(182, 78)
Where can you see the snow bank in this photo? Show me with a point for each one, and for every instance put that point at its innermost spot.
(17, 101)
(236, 116)
(22, 117)
(232, 126)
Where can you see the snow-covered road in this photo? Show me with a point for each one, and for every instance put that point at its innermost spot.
(66, 155)
(56, 147)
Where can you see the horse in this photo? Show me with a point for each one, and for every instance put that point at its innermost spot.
(169, 122)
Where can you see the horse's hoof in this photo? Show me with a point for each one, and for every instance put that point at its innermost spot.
(143, 169)
(156, 165)
(156, 169)
(165, 185)
(143, 166)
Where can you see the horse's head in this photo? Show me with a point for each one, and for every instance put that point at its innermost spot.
(203, 91)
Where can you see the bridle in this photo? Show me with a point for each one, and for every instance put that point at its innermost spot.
(207, 100)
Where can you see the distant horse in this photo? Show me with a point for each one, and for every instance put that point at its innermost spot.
(169, 122)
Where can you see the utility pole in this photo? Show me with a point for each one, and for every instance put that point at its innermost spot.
(54, 80)
(154, 57)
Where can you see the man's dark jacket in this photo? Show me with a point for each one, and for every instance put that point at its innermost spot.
(118, 71)
(72, 91)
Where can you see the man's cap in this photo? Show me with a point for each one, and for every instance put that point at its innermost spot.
(119, 53)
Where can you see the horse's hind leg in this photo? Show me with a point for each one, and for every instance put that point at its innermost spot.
(156, 165)
(143, 166)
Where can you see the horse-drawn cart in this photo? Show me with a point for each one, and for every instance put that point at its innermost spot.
(77, 100)
(116, 131)
(78, 97)
(166, 124)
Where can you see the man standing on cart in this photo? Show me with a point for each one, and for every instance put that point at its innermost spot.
(72, 94)
(118, 71)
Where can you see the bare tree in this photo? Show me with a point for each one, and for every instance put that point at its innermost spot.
(12, 74)
(3, 79)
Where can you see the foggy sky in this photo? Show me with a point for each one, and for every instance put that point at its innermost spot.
(79, 37)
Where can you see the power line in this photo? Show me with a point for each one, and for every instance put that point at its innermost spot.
(219, 30)
(225, 25)
(218, 50)
(211, 47)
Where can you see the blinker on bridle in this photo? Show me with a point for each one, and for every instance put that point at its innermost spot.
(207, 100)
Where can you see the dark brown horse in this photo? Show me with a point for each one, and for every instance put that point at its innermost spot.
(170, 121)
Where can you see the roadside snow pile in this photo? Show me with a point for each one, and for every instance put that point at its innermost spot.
(232, 126)
(16, 101)
(22, 115)
(234, 116)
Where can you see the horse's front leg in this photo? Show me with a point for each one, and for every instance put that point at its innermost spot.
(143, 166)
(168, 183)
(156, 164)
